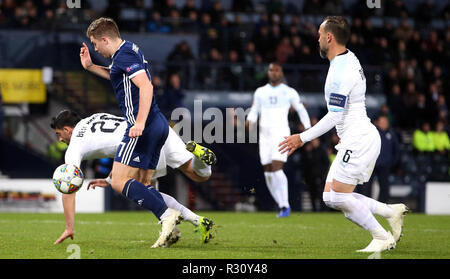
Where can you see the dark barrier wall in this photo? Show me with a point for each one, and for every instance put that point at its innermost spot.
(19, 162)
(35, 49)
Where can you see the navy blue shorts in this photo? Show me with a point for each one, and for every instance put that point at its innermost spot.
(143, 152)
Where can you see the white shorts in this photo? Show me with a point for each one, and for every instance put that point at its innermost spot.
(268, 146)
(356, 158)
(173, 154)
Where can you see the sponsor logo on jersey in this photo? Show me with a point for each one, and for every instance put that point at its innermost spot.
(337, 100)
(140, 202)
(132, 67)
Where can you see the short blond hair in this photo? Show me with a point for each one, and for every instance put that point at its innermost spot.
(103, 26)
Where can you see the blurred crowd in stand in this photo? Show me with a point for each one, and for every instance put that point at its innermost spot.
(410, 45)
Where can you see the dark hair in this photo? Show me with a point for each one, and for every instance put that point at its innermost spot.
(103, 26)
(65, 118)
(339, 27)
(275, 63)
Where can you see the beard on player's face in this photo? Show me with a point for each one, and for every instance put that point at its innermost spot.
(323, 51)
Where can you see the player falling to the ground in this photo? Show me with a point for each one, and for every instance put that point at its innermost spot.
(360, 142)
(138, 154)
(99, 136)
(272, 103)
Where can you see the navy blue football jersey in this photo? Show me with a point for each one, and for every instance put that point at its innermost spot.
(127, 62)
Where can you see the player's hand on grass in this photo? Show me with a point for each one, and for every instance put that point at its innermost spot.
(66, 234)
(290, 144)
(85, 57)
(136, 130)
(98, 183)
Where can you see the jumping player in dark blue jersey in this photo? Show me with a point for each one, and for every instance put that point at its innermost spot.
(137, 157)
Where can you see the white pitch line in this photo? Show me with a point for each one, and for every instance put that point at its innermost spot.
(43, 221)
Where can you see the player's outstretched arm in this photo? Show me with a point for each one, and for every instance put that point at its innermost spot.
(330, 120)
(290, 144)
(303, 115)
(300, 109)
(87, 64)
(68, 201)
(103, 182)
(98, 183)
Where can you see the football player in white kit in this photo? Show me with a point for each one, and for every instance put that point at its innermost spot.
(359, 145)
(272, 103)
(99, 136)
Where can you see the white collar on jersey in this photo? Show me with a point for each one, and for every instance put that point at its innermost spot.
(340, 54)
(276, 86)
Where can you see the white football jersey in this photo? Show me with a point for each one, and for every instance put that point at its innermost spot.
(345, 95)
(272, 105)
(95, 137)
(345, 90)
(99, 136)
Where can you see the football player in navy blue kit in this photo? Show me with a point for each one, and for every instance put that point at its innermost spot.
(137, 157)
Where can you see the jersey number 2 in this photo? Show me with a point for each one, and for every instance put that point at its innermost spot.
(104, 130)
(102, 124)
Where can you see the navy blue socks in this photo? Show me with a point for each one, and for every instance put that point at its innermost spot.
(146, 197)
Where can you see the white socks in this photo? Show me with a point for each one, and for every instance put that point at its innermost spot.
(185, 212)
(280, 180)
(375, 206)
(277, 184)
(200, 168)
(272, 189)
(356, 211)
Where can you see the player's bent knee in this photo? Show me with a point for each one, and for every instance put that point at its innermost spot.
(118, 183)
(326, 195)
(342, 201)
(327, 187)
(277, 165)
(267, 168)
(326, 199)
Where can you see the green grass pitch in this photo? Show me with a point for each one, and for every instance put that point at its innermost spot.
(129, 235)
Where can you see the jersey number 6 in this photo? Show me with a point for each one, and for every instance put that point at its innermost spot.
(346, 157)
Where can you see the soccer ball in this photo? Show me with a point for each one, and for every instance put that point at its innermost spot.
(68, 178)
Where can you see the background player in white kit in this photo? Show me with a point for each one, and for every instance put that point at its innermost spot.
(99, 136)
(272, 103)
(359, 145)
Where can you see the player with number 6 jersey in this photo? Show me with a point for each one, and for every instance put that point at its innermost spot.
(360, 142)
